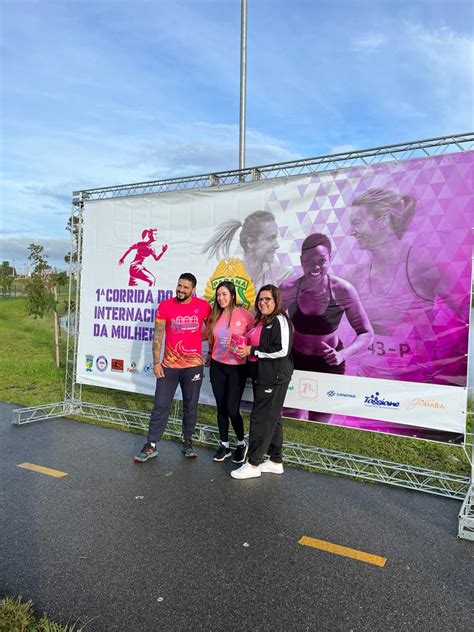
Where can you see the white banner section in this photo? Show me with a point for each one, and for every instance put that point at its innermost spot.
(423, 405)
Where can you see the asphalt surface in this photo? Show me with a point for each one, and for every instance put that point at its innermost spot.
(176, 544)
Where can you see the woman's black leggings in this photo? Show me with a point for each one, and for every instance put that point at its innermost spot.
(228, 383)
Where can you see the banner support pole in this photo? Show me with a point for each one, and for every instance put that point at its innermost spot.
(466, 514)
(243, 82)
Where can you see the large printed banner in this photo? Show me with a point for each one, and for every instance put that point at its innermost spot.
(374, 264)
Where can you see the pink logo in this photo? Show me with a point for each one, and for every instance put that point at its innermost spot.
(144, 249)
(308, 388)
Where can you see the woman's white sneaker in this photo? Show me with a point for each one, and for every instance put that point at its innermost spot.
(246, 471)
(272, 467)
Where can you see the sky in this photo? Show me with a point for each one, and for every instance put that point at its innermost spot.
(105, 92)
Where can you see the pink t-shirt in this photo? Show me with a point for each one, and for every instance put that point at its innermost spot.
(240, 322)
(253, 339)
(183, 342)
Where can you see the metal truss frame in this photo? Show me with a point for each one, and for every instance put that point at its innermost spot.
(314, 458)
(365, 157)
(466, 516)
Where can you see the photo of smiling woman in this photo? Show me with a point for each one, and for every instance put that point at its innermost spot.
(316, 304)
(403, 288)
(227, 323)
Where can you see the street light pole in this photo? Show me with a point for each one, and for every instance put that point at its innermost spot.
(243, 82)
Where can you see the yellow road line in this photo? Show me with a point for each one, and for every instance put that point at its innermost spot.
(362, 556)
(43, 470)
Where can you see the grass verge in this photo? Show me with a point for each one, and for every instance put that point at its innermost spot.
(28, 377)
(18, 616)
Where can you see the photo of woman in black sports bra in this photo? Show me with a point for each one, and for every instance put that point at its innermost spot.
(316, 303)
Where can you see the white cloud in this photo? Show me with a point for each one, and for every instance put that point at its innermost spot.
(207, 148)
(39, 199)
(368, 43)
(445, 61)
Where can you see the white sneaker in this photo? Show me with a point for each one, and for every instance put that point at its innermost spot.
(272, 467)
(246, 471)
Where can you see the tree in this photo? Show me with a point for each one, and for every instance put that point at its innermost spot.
(39, 288)
(41, 291)
(60, 279)
(7, 274)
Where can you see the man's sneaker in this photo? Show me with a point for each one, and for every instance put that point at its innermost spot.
(240, 453)
(246, 471)
(147, 452)
(272, 467)
(222, 454)
(188, 450)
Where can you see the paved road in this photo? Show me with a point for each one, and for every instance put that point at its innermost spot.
(178, 545)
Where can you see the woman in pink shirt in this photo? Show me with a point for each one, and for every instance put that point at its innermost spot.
(227, 327)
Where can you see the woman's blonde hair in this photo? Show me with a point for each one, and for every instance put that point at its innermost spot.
(400, 208)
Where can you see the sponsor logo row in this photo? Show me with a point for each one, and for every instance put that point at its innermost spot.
(308, 389)
(115, 365)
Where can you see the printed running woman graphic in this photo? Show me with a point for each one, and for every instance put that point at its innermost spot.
(137, 270)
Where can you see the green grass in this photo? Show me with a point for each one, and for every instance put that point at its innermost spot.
(28, 377)
(19, 616)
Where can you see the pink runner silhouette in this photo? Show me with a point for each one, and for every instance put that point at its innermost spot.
(138, 271)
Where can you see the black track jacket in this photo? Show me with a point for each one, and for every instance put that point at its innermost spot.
(275, 364)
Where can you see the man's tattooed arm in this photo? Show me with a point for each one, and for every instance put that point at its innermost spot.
(158, 336)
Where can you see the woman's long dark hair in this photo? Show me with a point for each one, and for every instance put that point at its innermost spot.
(217, 310)
(279, 307)
(220, 242)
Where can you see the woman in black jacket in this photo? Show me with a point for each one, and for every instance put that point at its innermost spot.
(270, 367)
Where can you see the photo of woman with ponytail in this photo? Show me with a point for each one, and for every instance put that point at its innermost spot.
(258, 238)
(402, 287)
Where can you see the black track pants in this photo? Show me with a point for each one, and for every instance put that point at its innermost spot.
(266, 430)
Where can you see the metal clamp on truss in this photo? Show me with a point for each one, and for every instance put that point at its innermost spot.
(466, 516)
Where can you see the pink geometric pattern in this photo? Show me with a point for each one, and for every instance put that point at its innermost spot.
(420, 336)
